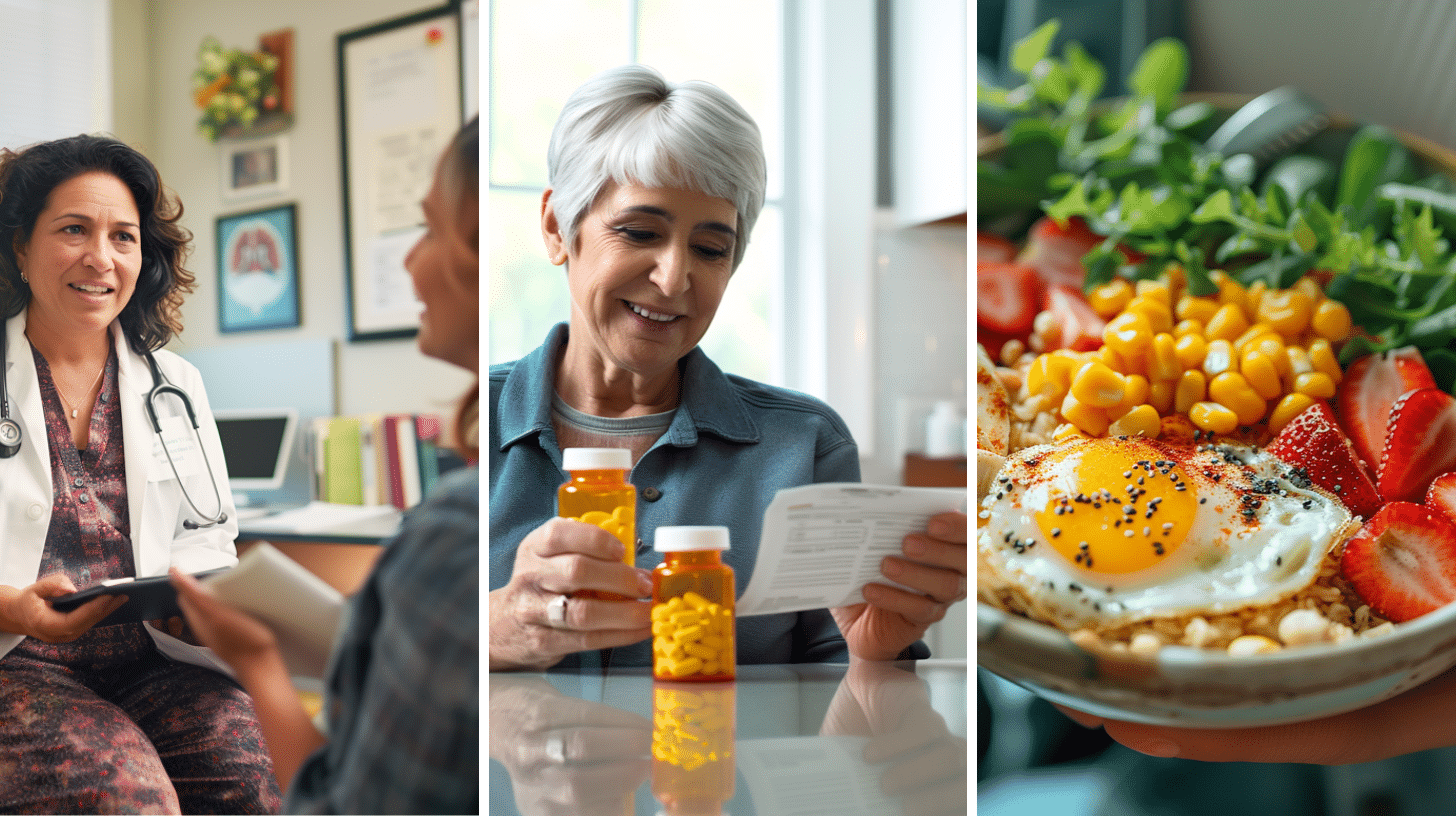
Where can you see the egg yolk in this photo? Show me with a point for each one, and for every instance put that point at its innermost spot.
(1118, 509)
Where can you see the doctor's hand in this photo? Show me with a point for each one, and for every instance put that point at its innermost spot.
(934, 566)
(558, 558)
(28, 611)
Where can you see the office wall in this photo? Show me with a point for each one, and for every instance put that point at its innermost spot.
(155, 51)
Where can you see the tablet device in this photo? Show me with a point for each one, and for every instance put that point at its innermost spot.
(148, 598)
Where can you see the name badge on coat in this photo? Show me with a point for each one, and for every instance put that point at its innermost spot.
(181, 441)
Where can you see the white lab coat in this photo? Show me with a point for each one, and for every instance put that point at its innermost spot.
(154, 499)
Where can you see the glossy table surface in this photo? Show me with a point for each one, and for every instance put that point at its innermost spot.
(867, 738)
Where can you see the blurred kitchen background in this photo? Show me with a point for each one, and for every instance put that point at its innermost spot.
(1390, 63)
(853, 288)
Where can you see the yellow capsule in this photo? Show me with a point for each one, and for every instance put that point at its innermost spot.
(1110, 298)
(1161, 394)
(1322, 357)
(1098, 386)
(712, 641)
(699, 650)
(660, 612)
(1218, 358)
(1164, 363)
(1190, 350)
(1140, 421)
(1201, 309)
(687, 617)
(1227, 323)
(684, 667)
(1288, 407)
(695, 600)
(1191, 388)
(1332, 321)
(1232, 391)
(1089, 418)
(687, 634)
(1314, 383)
(1188, 326)
(1287, 310)
(1131, 336)
(1212, 417)
(1263, 377)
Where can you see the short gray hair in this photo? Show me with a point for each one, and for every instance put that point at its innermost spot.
(629, 125)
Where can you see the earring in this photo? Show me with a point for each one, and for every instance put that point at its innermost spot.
(23, 278)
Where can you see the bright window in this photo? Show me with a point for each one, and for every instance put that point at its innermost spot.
(55, 69)
(539, 53)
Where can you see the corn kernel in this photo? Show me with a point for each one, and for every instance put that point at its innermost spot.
(1218, 358)
(1322, 358)
(1140, 421)
(1273, 348)
(1331, 320)
(1110, 298)
(1254, 295)
(1190, 350)
(1263, 377)
(1109, 358)
(1189, 326)
(1164, 363)
(1159, 315)
(1201, 309)
(1089, 418)
(1287, 310)
(1161, 395)
(1232, 391)
(1230, 291)
(1066, 431)
(1289, 407)
(1191, 388)
(1310, 287)
(1253, 333)
(1136, 392)
(1227, 323)
(1314, 383)
(1098, 386)
(1212, 417)
(1130, 335)
(1298, 361)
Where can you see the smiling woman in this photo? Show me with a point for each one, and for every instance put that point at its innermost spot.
(654, 190)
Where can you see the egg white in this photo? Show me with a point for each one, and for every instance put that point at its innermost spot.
(1259, 534)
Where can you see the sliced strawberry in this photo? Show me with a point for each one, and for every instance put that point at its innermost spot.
(1007, 296)
(1056, 250)
(1077, 326)
(1370, 387)
(1442, 495)
(1403, 561)
(1313, 441)
(993, 248)
(1420, 444)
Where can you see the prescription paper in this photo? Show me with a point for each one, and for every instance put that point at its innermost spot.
(822, 543)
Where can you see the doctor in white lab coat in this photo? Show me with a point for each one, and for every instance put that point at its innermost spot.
(127, 716)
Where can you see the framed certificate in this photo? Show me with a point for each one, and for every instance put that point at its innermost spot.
(400, 102)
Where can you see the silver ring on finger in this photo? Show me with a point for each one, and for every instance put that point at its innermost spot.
(556, 611)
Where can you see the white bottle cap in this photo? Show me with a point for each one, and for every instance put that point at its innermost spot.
(682, 539)
(596, 459)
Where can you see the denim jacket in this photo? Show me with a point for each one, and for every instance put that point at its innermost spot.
(732, 444)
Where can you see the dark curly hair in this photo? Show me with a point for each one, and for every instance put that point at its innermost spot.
(27, 177)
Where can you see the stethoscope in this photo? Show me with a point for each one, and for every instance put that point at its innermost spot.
(10, 433)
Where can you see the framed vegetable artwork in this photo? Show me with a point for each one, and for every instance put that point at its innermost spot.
(257, 269)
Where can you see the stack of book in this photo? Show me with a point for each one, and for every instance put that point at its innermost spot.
(376, 458)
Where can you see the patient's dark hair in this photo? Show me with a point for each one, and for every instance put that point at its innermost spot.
(461, 165)
(27, 177)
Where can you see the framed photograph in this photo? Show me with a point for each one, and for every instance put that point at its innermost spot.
(400, 102)
(257, 167)
(257, 270)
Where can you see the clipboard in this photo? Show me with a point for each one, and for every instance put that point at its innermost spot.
(150, 598)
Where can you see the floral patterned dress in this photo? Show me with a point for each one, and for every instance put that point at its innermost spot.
(106, 723)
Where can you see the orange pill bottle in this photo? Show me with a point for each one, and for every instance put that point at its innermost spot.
(597, 492)
(692, 606)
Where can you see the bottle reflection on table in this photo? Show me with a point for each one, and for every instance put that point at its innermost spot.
(692, 747)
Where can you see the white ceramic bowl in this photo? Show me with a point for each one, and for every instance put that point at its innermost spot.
(1208, 688)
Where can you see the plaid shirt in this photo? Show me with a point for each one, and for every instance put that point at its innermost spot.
(403, 695)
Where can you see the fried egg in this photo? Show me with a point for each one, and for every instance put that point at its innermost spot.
(1106, 532)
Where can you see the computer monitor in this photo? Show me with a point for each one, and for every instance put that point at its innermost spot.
(256, 444)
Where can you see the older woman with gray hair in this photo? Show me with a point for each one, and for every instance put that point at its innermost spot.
(653, 192)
